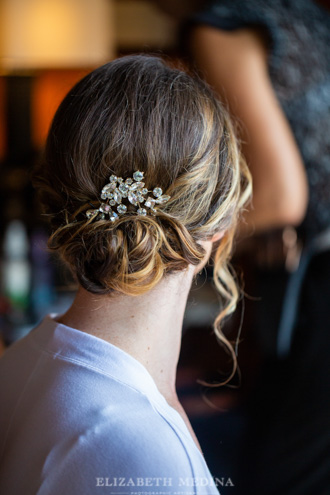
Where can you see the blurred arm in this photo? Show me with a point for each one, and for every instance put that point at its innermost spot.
(235, 64)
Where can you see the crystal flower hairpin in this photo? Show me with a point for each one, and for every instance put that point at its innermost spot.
(131, 190)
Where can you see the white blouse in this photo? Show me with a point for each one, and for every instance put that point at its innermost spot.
(80, 416)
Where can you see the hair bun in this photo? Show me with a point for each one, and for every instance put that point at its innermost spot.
(138, 114)
(130, 256)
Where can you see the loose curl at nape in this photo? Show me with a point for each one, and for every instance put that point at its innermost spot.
(137, 113)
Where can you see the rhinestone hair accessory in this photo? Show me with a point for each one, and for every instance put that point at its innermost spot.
(130, 190)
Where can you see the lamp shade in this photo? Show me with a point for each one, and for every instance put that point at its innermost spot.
(39, 34)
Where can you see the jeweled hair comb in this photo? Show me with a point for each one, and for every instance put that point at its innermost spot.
(131, 190)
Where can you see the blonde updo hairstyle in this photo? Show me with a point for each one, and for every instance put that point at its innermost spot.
(137, 113)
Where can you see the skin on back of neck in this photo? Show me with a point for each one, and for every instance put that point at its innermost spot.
(148, 327)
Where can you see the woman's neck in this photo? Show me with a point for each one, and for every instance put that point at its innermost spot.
(147, 327)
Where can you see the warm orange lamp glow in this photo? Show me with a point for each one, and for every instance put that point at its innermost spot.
(55, 33)
(57, 42)
(49, 90)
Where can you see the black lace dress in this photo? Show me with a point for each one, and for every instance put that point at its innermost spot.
(288, 449)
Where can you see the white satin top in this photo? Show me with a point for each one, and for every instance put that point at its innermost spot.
(80, 416)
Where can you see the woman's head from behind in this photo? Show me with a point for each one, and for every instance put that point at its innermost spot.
(136, 113)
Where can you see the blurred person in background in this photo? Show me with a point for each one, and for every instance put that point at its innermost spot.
(270, 62)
